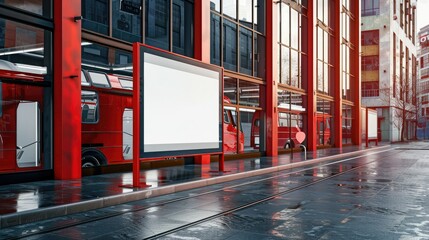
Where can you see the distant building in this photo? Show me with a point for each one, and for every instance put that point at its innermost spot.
(423, 83)
(389, 66)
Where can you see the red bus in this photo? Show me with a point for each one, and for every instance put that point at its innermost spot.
(106, 103)
(106, 108)
(107, 120)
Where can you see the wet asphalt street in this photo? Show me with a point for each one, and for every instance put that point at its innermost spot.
(376, 196)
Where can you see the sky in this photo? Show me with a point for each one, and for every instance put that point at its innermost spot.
(422, 13)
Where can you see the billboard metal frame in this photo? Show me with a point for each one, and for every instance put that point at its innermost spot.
(138, 117)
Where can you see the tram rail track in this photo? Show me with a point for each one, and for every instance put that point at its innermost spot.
(232, 210)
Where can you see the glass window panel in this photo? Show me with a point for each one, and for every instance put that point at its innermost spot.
(320, 76)
(246, 58)
(249, 94)
(285, 24)
(215, 5)
(105, 59)
(294, 76)
(346, 27)
(126, 24)
(230, 8)
(349, 92)
(326, 12)
(320, 46)
(96, 15)
(230, 132)
(303, 71)
(158, 23)
(229, 45)
(247, 117)
(326, 79)
(245, 12)
(285, 65)
(215, 42)
(291, 112)
(95, 56)
(303, 30)
(230, 89)
(347, 59)
(326, 47)
(183, 21)
(294, 29)
(33, 6)
(260, 56)
(320, 9)
(259, 16)
(324, 122)
(347, 124)
(22, 47)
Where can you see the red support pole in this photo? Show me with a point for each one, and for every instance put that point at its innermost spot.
(136, 115)
(67, 90)
(222, 163)
(366, 126)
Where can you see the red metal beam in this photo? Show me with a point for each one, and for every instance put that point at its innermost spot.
(67, 90)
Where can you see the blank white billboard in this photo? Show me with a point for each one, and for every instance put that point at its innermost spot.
(181, 108)
(372, 124)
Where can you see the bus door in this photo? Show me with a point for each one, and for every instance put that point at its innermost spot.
(28, 134)
(127, 134)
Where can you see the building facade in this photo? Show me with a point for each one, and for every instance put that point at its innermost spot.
(389, 66)
(66, 75)
(423, 84)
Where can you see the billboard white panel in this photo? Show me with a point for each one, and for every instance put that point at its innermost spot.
(181, 106)
(372, 124)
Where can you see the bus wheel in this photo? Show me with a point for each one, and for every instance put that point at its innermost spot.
(90, 161)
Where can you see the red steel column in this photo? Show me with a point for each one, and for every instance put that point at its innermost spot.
(338, 136)
(355, 68)
(202, 47)
(67, 90)
(271, 89)
(312, 76)
(202, 30)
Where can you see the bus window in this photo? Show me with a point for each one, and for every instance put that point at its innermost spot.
(83, 80)
(283, 120)
(127, 84)
(89, 107)
(225, 116)
(99, 79)
(28, 134)
(127, 134)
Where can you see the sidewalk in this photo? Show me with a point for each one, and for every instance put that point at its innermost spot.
(35, 201)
